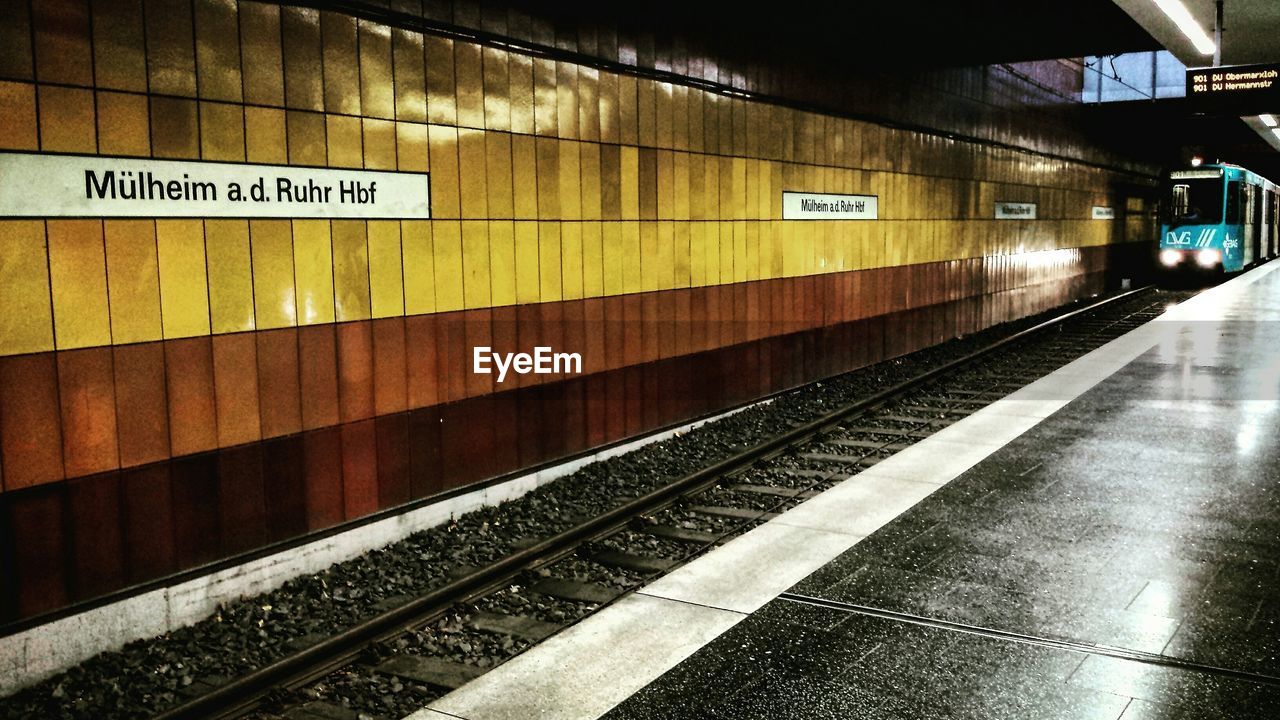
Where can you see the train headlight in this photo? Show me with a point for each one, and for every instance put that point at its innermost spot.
(1169, 258)
(1208, 258)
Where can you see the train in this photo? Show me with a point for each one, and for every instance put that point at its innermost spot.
(1218, 218)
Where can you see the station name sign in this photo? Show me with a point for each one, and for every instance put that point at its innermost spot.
(1103, 212)
(1015, 210)
(42, 185)
(1237, 88)
(820, 206)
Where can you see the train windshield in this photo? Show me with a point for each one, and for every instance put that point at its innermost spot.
(1196, 200)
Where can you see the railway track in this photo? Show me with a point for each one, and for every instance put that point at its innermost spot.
(550, 583)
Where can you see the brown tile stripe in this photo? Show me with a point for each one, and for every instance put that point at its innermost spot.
(81, 412)
(365, 436)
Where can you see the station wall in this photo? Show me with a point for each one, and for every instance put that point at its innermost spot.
(175, 392)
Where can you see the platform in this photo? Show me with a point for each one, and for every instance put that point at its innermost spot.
(1104, 543)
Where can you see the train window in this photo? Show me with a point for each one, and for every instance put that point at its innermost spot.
(1233, 202)
(1181, 200)
(1197, 200)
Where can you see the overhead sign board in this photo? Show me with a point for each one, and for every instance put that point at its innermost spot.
(1015, 210)
(43, 185)
(819, 206)
(1102, 212)
(1238, 89)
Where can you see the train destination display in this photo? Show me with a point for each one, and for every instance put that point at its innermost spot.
(44, 185)
(1244, 88)
(821, 206)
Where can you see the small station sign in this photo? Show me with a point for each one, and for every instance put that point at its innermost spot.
(1015, 210)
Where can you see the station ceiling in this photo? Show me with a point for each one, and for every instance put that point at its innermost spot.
(1251, 29)
(907, 34)
(1251, 34)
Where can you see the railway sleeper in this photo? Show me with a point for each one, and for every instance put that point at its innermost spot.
(864, 461)
(576, 591)
(914, 419)
(521, 626)
(682, 535)
(635, 563)
(785, 492)
(806, 473)
(321, 710)
(437, 672)
(981, 389)
(867, 444)
(732, 512)
(918, 434)
(960, 401)
(934, 410)
(1035, 368)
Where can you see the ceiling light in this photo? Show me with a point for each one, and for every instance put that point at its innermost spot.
(1268, 120)
(1181, 17)
(1276, 130)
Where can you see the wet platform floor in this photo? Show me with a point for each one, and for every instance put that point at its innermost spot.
(1119, 560)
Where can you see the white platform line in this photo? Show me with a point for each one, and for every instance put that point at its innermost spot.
(592, 666)
(588, 669)
(754, 568)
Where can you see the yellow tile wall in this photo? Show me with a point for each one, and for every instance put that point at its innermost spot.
(184, 290)
(351, 269)
(231, 272)
(313, 272)
(386, 268)
(77, 274)
(26, 325)
(274, 291)
(133, 280)
(549, 181)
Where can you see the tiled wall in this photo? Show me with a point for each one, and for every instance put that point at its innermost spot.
(173, 392)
